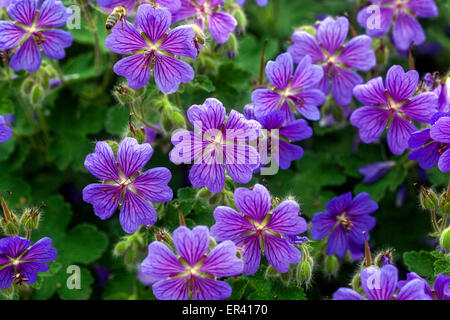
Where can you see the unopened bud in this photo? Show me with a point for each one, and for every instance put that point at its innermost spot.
(120, 248)
(132, 255)
(124, 94)
(232, 46)
(178, 119)
(444, 240)
(204, 193)
(444, 202)
(167, 123)
(331, 265)
(356, 282)
(304, 272)
(428, 199)
(164, 236)
(30, 218)
(27, 86)
(241, 18)
(11, 229)
(37, 94)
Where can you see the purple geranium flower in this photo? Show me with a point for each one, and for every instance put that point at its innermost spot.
(443, 93)
(381, 284)
(20, 261)
(261, 3)
(216, 145)
(32, 30)
(153, 49)
(375, 171)
(208, 15)
(172, 5)
(345, 221)
(5, 131)
(276, 141)
(392, 107)
(337, 59)
(407, 30)
(256, 228)
(441, 285)
(193, 272)
(124, 184)
(292, 91)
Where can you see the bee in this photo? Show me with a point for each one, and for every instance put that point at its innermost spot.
(119, 14)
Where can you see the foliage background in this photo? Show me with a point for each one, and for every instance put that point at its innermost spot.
(38, 167)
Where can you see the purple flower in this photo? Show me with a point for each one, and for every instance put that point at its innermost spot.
(375, 171)
(153, 49)
(216, 145)
(172, 5)
(291, 91)
(33, 30)
(392, 107)
(377, 20)
(431, 146)
(4, 3)
(193, 272)
(327, 48)
(381, 284)
(150, 134)
(208, 15)
(5, 131)
(345, 221)
(20, 261)
(256, 228)
(277, 139)
(124, 184)
(261, 3)
(441, 285)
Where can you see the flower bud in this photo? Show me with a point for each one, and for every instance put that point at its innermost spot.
(356, 282)
(120, 248)
(132, 255)
(444, 240)
(165, 237)
(331, 265)
(428, 199)
(200, 36)
(241, 18)
(167, 123)
(11, 229)
(37, 94)
(444, 202)
(30, 218)
(304, 272)
(124, 94)
(178, 119)
(232, 46)
(27, 86)
(204, 193)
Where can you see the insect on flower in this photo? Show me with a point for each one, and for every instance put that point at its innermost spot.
(119, 14)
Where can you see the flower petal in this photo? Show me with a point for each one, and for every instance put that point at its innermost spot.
(305, 45)
(55, 43)
(371, 122)
(125, 38)
(376, 20)
(180, 42)
(401, 85)
(338, 242)
(210, 115)
(191, 245)
(229, 225)
(343, 81)
(372, 93)
(222, 261)
(5, 132)
(413, 290)
(10, 35)
(357, 54)
(153, 22)
(104, 198)
(170, 72)
(135, 211)
(53, 14)
(444, 161)
(132, 157)
(279, 72)
(172, 289)
(440, 131)
(152, 185)
(423, 8)
(28, 57)
(220, 25)
(422, 107)
(265, 101)
(41, 251)
(332, 33)
(23, 11)
(347, 294)
(307, 103)
(254, 203)
(102, 163)
(322, 224)
(285, 219)
(210, 289)
(306, 75)
(280, 253)
(407, 31)
(252, 253)
(161, 262)
(207, 173)
(240, 161)
(297, 130)
(136, 69)
(398, 134)
(379, 284)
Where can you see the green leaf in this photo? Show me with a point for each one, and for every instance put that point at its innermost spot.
(84, 244)
(85, 290)
(421, 262)
(116, 120)
(6, 106)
